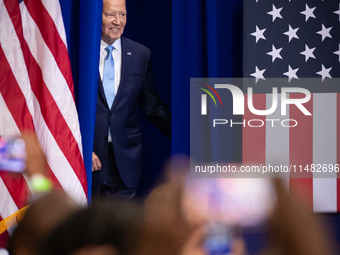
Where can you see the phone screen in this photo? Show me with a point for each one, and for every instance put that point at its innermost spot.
(236, 202)
(218, 239)
(12, 154)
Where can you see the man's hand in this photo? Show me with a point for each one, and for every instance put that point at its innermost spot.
(96, 165)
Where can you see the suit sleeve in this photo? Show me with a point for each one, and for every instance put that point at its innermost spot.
(153, 108)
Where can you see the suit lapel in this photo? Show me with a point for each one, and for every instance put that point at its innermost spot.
(101, 89)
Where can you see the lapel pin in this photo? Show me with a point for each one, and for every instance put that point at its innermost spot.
(129, 53)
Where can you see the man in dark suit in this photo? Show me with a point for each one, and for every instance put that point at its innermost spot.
(125, 83)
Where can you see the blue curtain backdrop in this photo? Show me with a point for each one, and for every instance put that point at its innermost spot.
(149, 23)
(206, 42)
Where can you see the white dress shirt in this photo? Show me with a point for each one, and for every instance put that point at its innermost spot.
(117, 57)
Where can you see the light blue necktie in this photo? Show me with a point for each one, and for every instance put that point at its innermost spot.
(109, 76)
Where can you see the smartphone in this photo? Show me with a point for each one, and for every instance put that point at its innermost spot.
(12, 154)
(218, 239)
(235, 202)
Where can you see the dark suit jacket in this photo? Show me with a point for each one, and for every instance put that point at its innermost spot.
(136, 88)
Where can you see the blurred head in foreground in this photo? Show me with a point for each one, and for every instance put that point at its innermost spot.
(40, 219)
(108, 226)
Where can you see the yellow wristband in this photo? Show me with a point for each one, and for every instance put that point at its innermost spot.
(39, 183)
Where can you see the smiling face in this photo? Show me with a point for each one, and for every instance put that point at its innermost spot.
(114, 20)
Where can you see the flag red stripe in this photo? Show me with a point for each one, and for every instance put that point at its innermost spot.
(254, 138)
(56, 124)
(13, 96)
(52, 38)
(301, 150)
(16, 103)
(338, 149)
(3, 237)
(17, 188)
(52, 177)
(21, 115)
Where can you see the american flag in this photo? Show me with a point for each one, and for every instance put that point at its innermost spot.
(36, 93)
(293, 40)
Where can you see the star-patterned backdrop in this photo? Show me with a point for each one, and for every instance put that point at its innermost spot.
(295, 43)
(292, 39)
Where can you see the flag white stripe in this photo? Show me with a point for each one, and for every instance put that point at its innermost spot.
(324, 195)
(277, 137)
(52, 76)
(8, 127)
(7, 205)
(57, 160)
(324, 150)
(53, 8)
(12, 50)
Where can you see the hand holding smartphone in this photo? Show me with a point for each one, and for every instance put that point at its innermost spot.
(12, 154)
(226, 204)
